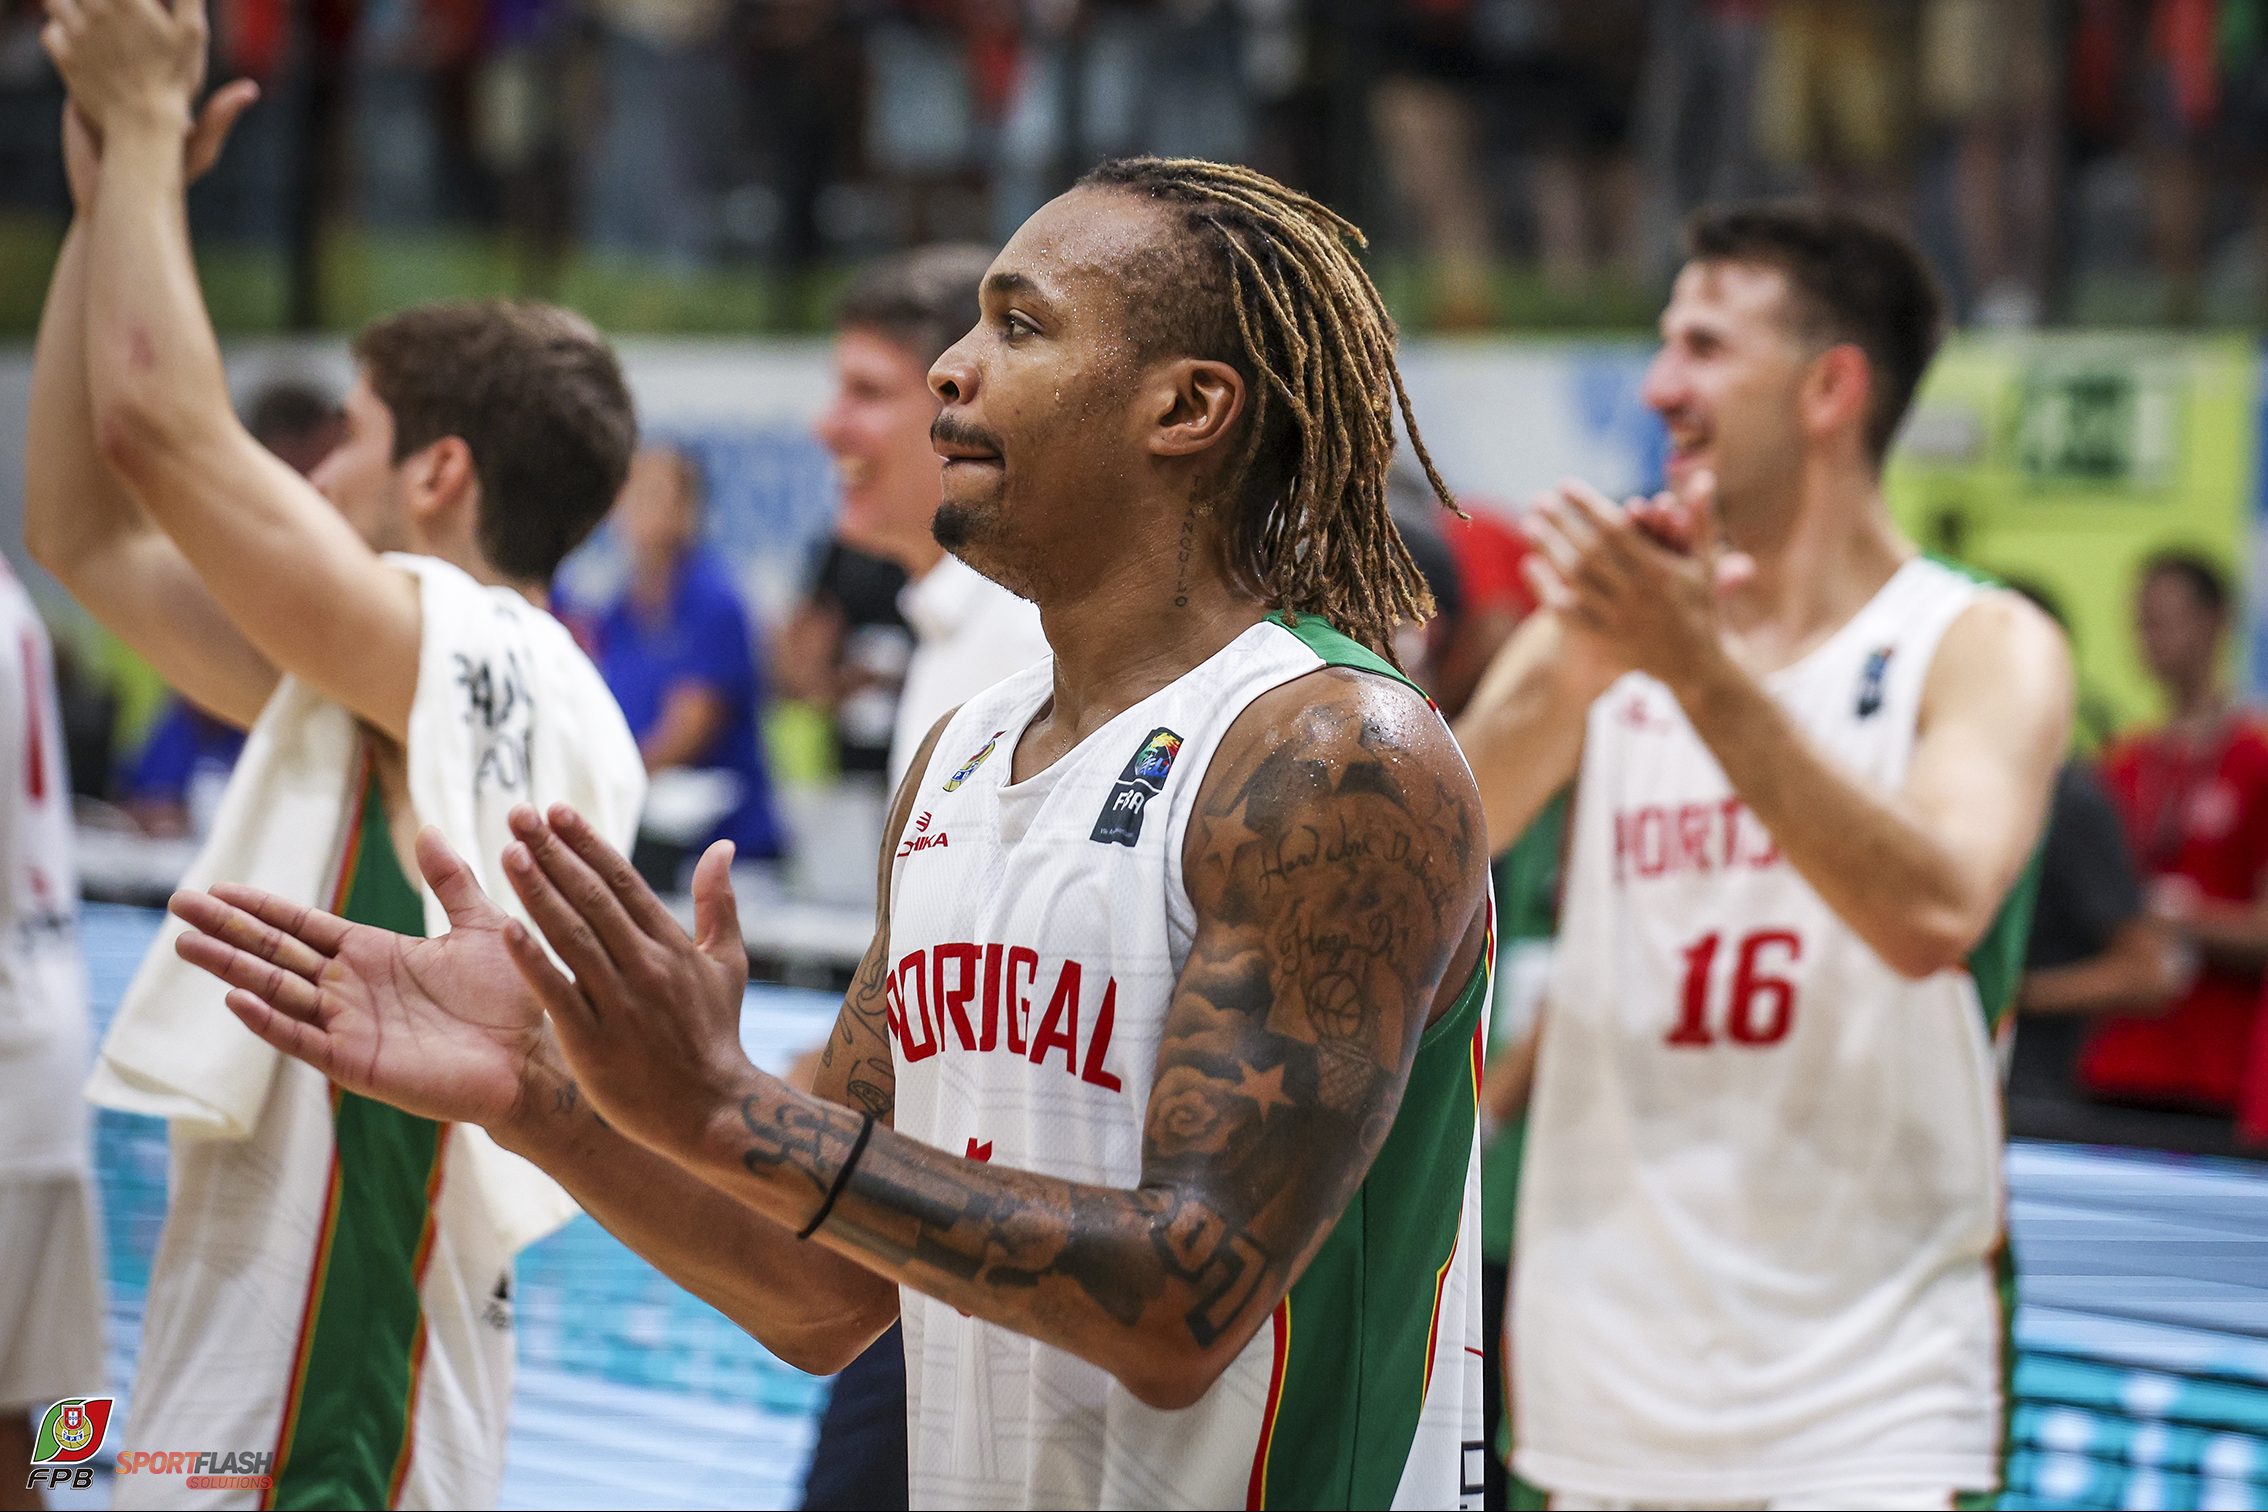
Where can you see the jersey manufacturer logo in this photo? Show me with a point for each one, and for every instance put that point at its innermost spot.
(1120, 822)
(968, 767)
(1870, 681)
(1638, 716)
(921, 839)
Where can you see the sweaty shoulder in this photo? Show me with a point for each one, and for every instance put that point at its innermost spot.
(1346, 776)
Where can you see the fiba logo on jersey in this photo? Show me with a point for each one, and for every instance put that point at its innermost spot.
(968, 768)
(1870, 681)
(1144, 777)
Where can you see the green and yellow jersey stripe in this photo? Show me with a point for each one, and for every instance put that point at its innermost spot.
(347, 1434)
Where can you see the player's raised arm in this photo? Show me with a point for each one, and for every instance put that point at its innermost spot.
(1920, 873)
(1523, 730)
(80, 522)
(286, 569)
(1315, 969)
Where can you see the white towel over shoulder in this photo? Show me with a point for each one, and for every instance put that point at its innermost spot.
(508, 710)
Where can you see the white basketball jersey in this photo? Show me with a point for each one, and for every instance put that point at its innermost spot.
(1760, 1221)
(43, 991)
(1037, 930)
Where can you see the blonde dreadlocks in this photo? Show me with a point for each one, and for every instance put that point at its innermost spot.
(1276, 291)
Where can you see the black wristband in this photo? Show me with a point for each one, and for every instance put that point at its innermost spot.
(842, 1178)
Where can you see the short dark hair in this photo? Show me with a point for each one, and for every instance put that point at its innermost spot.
(289, 408)
(1853, 279)
(924, 300)
(2203, 576)
(536, 395)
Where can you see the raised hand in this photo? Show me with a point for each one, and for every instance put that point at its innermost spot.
(440, 1027)
(1637, 586)
(140, 60)
(650, 1024)
(82, 143)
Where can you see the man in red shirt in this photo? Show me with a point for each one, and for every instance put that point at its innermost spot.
(2194, 797)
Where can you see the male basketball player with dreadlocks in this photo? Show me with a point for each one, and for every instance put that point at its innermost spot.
(1151, 1107)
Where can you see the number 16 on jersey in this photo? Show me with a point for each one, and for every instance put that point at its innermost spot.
(1760, 1006)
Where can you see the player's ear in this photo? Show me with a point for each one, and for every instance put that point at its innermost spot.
(442, 475)
(1837, 389)
(1197, 401)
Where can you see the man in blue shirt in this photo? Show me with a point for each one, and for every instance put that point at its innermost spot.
(679, 652)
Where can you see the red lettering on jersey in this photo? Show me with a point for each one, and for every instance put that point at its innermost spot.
(928, 997)
(1693, 838)
(904, 1023)
(979, 1153)
(1093, 1073)
(35, 736)
(988, 1033)
(953, 995)
(1025, 960)
(1659, 840)
(1061, 1025)
(1653, 842)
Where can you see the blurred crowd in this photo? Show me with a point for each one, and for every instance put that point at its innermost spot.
(2088, 158)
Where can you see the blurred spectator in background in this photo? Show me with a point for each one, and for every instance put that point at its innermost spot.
(2067, 150)
(1989, 77)
(665, 89)
(679, 653)
(793, 117)
(297, 419)
(844, 648)
(1834, 96)
(1113, 78)
(175, 785)
(1495, 595)
(2194, 797)
(89, 702)
(896, 320)
(1697, 115)
(1567, 92)
(527, 95)
(2095, 947)
(939, 74)
(1425, 108)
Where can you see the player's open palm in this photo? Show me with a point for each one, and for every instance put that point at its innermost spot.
(440, 1027)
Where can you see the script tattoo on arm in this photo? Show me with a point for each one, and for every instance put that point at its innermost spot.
(1336, 864)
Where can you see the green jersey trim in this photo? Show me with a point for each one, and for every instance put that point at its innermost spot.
(350, 1411)
(1339, 649)
(1353, 1360)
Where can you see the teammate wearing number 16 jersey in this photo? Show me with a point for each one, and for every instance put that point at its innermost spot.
(1759, 1256)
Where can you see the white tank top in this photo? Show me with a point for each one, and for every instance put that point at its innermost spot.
(1037, 930)
(43, 992)
(1760, 1216)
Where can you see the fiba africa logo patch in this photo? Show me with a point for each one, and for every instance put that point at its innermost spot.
(968, 768)
(72, 1431)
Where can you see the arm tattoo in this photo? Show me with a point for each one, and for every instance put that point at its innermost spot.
(1336, 866)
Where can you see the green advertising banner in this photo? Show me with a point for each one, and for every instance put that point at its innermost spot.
(2063, 461)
